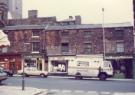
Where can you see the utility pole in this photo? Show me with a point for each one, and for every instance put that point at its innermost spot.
(103, 29)
(134, 40)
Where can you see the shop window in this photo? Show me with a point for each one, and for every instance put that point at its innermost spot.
(65, 47)
(30, 63)
(35, 46)
(120, 47)
(87, 48)
(59, 66)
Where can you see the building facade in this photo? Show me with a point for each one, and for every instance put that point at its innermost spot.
(56, 42)
(53, 41)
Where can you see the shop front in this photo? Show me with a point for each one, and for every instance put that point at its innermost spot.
(122, 65)
(34, 61)
(59, 64)
(10, 61)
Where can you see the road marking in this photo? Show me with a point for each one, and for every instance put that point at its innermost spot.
(91, 92)
(79, 91)
(86, 92)
(105, 93)
(66, 91)
(54, 90)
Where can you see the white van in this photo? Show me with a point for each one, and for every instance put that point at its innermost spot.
(90, 66)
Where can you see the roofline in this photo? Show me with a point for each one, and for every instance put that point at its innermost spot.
(68, 27)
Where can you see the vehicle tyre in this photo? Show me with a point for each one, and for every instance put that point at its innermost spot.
(42, 75)
(78, 76)
(25, 75)
(102, 76)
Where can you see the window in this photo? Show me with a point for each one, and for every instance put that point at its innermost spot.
(65, 33)
(119, 34)
(35, 46)
(120, 47)
(35, 33)
(87, 48)
(87, 33)
(65, 47)
(87, 36)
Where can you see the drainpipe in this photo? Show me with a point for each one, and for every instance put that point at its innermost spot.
(134, 39)
(134, 54)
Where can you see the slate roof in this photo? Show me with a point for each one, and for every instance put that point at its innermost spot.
(59, 27)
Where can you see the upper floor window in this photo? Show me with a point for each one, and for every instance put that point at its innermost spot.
(87, 48)
(120, 47)
(35, 46)
(64, 47)
(35, 33)
(87, 33)
(87, 36)
(119, 34)
(65, 33)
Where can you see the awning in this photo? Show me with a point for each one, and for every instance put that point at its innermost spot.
(3, 39)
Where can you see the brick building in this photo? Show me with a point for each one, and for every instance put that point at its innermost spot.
(52, 41)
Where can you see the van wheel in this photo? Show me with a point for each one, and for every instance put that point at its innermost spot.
(42, 75)
(78, 76)
(25, 75)
(102, 76)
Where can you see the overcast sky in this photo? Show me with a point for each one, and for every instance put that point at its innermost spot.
(116, 11)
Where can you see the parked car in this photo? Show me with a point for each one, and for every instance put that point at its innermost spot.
(32, 71)
(8, 72)
(3, 75)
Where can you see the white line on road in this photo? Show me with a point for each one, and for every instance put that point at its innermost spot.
(79, 91)
(105, 93)
(90, 92)
(54, 90)
(66, 91)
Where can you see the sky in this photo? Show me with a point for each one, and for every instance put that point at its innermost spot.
(115, 11)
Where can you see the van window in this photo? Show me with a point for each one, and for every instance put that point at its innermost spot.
(106, 64)
(82, 63)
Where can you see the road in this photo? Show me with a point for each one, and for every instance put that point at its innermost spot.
(70, 85)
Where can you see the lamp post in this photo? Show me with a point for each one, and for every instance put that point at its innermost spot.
(44, 45)
(103, 29)
(23, 81)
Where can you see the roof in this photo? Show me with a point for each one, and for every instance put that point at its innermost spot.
(60, 27)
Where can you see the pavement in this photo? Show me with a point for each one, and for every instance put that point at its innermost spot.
(11, 90)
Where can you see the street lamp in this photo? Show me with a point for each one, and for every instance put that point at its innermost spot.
(103, 29)
(23, 81)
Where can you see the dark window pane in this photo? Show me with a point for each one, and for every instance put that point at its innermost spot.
(65, 47)
(36, 46)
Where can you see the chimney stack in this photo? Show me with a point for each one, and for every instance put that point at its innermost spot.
(32, 13)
